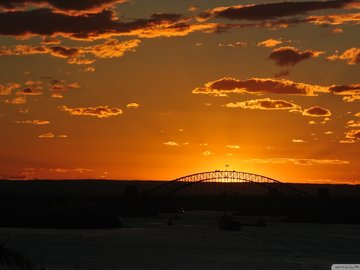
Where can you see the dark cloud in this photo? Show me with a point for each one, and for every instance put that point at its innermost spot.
(290, 56)
(316, 111)
(346, 89)
(350, 92)
(270, 11)
(65, 6)
(227, 85)
(94, 26)
(29, 92)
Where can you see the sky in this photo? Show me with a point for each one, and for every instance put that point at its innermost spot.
(156, 90)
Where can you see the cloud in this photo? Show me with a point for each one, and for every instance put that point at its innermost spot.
(335, 19)
(193, 8)
(47, 135)
(33, 122)
(99, 112)
(104, 24)
(357, 114)
(66, 7)
(353, 124)
(336, 31)
(6, 90)
(75, 55)
(265, 104)
(233, 146)
(351, 56)
(227, 85)
(29, 92)
(206, 153)
(298, 141)
(62, 136)
(170, 143)
(352, 136)
(240, 44)
(297, 161)
(269, 11)
(316, 111)
(351, 92)
(132, 105)
(268, 43)
(290, 56)
(18, 100)
(67, 170)
(61, 85)
(88, 69)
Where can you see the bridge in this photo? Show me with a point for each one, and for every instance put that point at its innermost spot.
(224, 181)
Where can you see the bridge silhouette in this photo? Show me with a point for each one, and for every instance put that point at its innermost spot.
(225, 181)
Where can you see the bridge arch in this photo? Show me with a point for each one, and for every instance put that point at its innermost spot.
(219, 176)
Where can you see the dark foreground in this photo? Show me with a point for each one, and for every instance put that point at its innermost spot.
(192, 242)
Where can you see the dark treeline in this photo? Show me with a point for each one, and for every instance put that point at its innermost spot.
(101, 204)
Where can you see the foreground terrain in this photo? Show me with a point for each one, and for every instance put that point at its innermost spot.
(192, 242)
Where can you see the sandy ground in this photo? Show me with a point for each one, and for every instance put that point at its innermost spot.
(193, 242)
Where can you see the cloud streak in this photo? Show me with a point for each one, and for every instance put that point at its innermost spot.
(298, 161)
(227, 85)
(99, 112)
(270, 11)
(75, 55)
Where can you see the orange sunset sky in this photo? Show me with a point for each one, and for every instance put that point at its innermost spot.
(150, 89)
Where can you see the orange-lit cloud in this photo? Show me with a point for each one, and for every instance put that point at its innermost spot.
(6, 90)
(297, 161)
(47, 135)
(227, 85)
(290, 56)
(351, 56)
(351, 92)
(67, 170)
(18, 100)
(171, 143)
(265, 104)
(206, 153)
(233, 146)
(269, 43)
(298, 141)
(353, 124)
(75, 55)
(335, 19)
(88, 69)
(132, 105)
(351, 136)
(336, 31)
(240, 44)
(316, 111)
(32, 122)
(99, 112)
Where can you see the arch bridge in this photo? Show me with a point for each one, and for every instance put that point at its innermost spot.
(220, 179)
